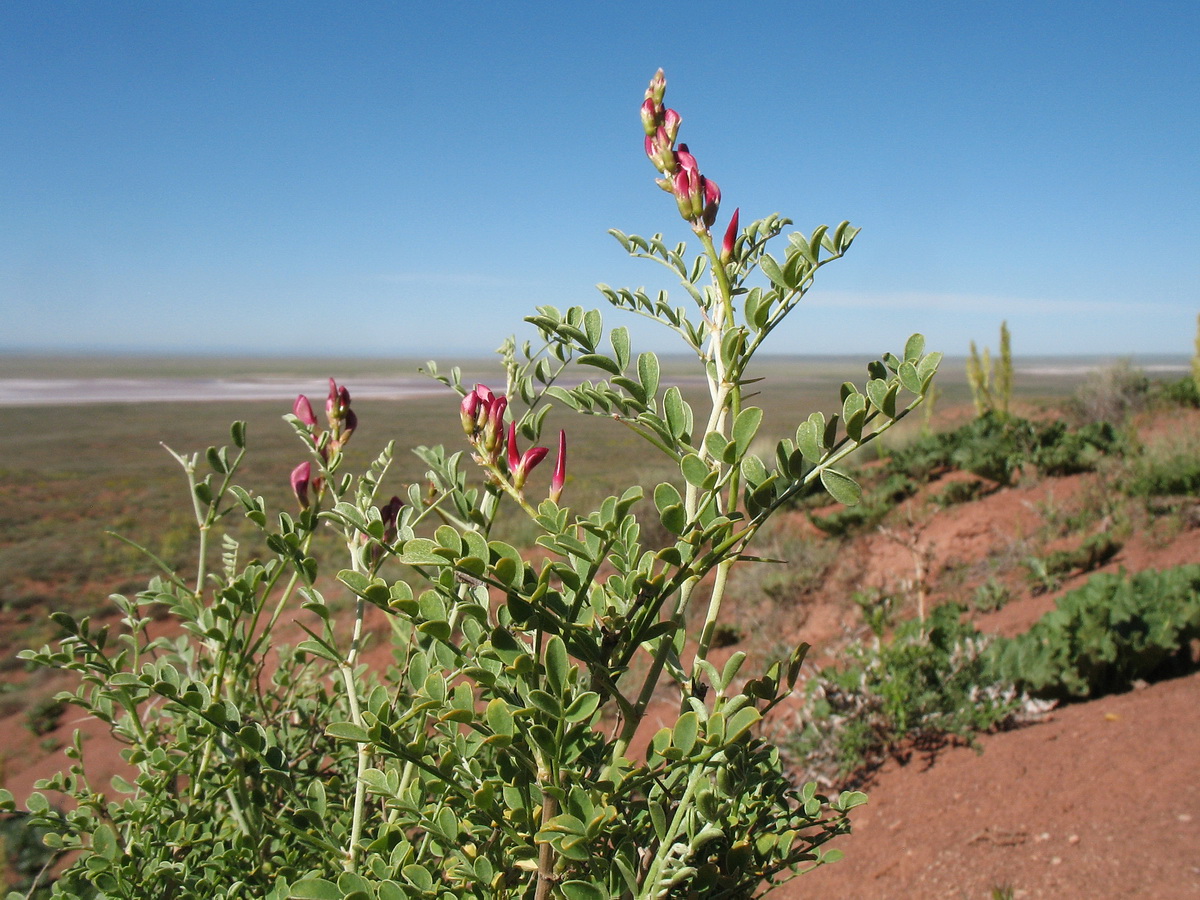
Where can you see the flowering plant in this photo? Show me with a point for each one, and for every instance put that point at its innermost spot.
(496, 758)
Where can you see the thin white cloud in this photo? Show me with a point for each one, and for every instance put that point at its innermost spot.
(979, 303)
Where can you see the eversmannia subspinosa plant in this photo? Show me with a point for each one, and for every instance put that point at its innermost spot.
(508, 752)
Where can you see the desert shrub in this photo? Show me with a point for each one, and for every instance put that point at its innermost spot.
(1183, 392)
(1168, 469)
(1104, 635)
(997, 448)
(1112, 394)
(929, 684)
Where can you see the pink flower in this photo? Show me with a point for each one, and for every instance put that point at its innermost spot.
(521, 464)
(303, 410)
(301, 478)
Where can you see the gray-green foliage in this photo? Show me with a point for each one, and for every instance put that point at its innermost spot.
(493, 759)
(927, 683)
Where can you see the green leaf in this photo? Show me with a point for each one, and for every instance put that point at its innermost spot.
(499, 717)
(347, 731)
(745, 427)
(927, 367)
(674, 519)
(583, 707)
(315, 889)
(741, 722)
(619, 338)
(841, 487)
(599, 361)
(694, 470)
(771, 269)
(914, 348)
(679, 414)
(808, 441)
(666, 495)
(683, 735)
(909, 377)
(557, 665)
(581, 890)
(648, 373)
(594, 326)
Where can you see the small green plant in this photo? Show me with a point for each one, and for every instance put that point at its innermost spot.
(957, 492)
(991, 386)
(1104, 635)
(1196, 359)
(1095, 551)
(878, 609)
(929, 684)
(44, 715)
(991, 596)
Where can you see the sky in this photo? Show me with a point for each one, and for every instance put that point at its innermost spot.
(407, 179)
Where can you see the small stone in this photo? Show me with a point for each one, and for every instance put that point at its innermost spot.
(1184, 817)
(1073, 839)
(1055, 860)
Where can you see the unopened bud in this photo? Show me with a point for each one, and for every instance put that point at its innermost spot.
(730, 237)
(559, 478)
(650, 116)
(712, 200)
(670, 125)
(658, 87)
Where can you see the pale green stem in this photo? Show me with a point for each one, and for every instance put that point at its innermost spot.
(650, 886)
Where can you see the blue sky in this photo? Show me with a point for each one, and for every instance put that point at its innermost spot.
(411, 179)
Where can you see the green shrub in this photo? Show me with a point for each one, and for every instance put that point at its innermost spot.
(1104, 635)
(1183, 392)
(929, 684)
(1167, 472)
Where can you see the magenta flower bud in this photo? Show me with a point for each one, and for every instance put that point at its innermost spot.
(730, 237)
(650, 116)
(470, 405)
(712, 200)
(685, 159)
(301, 478)
(389, 513)
(682, 184)
(493, 432)
(670, 125)
(303, 410)
(514, 455)
(559, 478)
